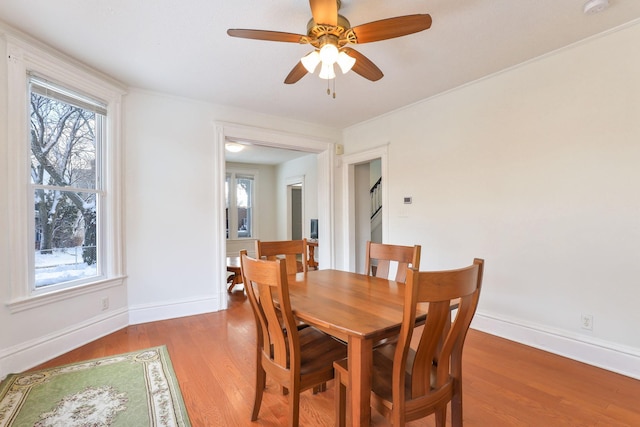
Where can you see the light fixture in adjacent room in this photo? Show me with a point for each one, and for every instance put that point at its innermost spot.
(233, 147)
(595, 6)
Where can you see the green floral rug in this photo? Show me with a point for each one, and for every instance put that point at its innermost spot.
(133, 390)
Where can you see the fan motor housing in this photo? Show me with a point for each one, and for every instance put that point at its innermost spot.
(341, 33)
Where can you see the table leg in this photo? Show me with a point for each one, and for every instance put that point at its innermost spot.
(233, 280)
(311, 262)
(360, 352)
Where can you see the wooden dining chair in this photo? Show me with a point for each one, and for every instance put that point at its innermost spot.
(410, 383)
(294, 252)
(379, 257)
(295, 359)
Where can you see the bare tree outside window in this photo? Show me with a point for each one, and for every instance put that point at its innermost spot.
(64, 150)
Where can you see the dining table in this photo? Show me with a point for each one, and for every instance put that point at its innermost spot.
(233, 267)
(357, 309)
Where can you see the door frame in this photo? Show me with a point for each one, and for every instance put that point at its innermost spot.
(325, 150)
(291, 182)
(349, 161)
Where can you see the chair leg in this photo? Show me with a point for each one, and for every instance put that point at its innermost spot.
(294, 409)
(398, 418)
(261, 383)
(441, 416)
(456, 406)
(340, 398)
(320, 388)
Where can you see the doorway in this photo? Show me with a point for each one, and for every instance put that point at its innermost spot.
(295, 209)
(358, 172)
(324, 149)
(368, 208)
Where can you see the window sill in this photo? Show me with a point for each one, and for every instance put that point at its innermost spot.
(32, 302)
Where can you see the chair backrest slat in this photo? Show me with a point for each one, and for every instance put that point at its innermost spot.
(380, 256)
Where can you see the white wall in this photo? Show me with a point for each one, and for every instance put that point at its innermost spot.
(171, 237)
(536, 170)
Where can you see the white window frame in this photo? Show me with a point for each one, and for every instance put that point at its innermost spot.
(233, 211)
(24, 58)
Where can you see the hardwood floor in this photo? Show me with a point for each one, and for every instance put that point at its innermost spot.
(505, 383)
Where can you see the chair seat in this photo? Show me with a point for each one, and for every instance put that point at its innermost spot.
(318, 351)
(383, 369)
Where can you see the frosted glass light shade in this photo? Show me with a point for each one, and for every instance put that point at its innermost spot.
(327, 72)
(233, 147)
(311, 61)
(345, 62)
(329, 54)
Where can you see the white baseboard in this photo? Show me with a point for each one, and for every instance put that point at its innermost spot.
(154, 312)
(32, 353)
(603, 354)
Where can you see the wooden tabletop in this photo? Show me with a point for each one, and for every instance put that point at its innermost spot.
(233, 266)
(348, 303)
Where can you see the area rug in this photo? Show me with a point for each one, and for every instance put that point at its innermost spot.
(134, 390)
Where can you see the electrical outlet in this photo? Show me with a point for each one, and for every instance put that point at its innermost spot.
(586, 322)
(105, 303)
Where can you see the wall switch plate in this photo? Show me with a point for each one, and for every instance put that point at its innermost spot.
(586, 322)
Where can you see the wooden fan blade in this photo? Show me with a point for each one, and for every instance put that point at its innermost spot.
(296, 73)
(274, 36)
(392, 27)
(363, 65)
(324, 11)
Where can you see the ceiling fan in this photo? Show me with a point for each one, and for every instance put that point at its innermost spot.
(330, 33)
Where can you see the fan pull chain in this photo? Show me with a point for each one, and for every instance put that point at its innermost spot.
(329, 87)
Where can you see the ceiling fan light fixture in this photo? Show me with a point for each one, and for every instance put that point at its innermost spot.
(326, 72)
(329, 33)
(329, 54)
(311, 61)
(345, 62)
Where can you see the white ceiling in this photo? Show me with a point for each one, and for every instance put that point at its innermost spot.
(182, 48)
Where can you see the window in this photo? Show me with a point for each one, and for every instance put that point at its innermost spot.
(64, 175)
(240, 204)
(66, 134)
